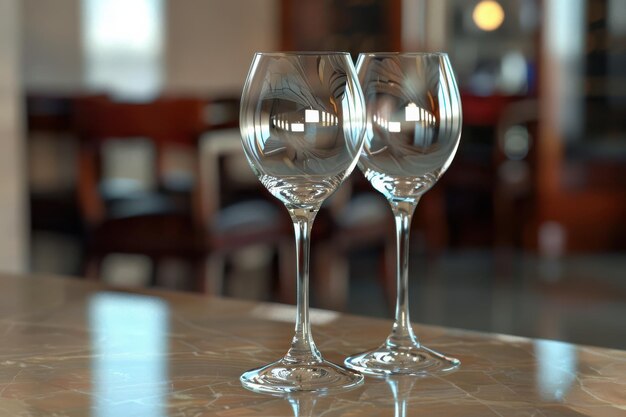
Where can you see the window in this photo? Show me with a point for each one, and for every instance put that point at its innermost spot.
(123, 46)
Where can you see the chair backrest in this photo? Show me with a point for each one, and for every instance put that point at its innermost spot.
(169, 120)
(164, 122)
(222, 112)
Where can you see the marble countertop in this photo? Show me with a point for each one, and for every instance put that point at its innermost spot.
(74, 348)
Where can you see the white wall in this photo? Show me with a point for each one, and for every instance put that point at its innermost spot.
(12, 196)
(210, 43)
(424, 25)
(52, 57)
(208, 48)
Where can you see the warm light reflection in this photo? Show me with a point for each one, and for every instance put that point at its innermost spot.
(488, 15)
(556, 368)
(129, 343)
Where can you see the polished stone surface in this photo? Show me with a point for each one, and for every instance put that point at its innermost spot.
(72, 348)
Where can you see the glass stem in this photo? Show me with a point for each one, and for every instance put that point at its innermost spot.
(402, 333)
(303, 347)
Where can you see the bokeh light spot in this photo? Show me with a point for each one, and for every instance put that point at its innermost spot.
(488, 15)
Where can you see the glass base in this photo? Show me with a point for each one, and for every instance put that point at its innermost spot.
(406, 360)
(286, 376)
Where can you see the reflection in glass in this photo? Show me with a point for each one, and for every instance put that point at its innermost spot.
(401, 387)
(302, 404)
(129, 341)
(556, 368)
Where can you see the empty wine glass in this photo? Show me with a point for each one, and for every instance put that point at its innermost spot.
(413, 127)
(302, 120)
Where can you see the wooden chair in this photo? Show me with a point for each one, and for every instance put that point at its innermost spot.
(547, 189)
(237, 212)
(158, 222)
(51, 143)
(361, 220)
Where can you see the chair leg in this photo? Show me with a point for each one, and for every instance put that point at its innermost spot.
(198, 275)
(388, 275)
(93, 267)
(154, 273)
(286, 272)
(332, 276)
(433, 216)
(212, 278)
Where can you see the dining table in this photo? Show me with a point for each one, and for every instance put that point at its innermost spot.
(71, 347)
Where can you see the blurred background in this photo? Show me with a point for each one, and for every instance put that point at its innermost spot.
(120, 158)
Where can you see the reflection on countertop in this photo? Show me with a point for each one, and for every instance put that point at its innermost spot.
(73, 348)
(129, 359)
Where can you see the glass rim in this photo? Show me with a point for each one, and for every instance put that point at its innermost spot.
(300, 53)
(406, 54)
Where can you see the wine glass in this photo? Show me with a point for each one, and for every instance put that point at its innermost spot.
(413, 127)
(302, 120)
